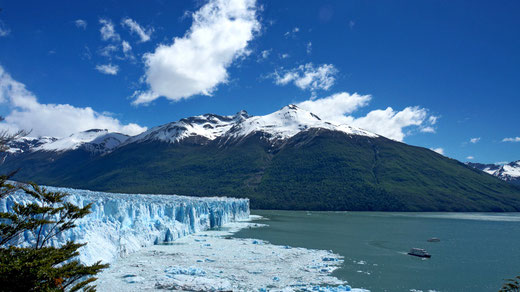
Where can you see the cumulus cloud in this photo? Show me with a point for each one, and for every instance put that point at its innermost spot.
(80, 23)
(197, 62)
(438, 150)
(134, 27)
(470, 158)
(108, 69)
(107, 30)
(307, 76)
(512, 139)
(474, 140)
(339, 108)
(391, 123)
(58, 120)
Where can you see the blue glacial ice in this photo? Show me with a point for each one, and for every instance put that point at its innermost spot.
(121, 224)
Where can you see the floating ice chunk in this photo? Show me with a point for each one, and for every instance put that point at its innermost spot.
(177, 270)
(339, 288)
(194, 283)
(132, 279)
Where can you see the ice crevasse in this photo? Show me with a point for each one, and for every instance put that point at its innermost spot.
(124, 223)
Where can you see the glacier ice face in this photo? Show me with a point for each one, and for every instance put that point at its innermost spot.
(124, 223)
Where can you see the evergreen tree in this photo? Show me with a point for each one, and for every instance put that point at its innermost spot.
(511, 285)
(40, 266)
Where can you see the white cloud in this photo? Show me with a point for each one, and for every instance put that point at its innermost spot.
(127, 50)
(433, 119)
(470, 158)
(474, 140)
(438, 150)
(126, 47)
(80, 23)
(391, 123)
(428, 129)
(336, 107)
(134, 27)
(351, 24)
(307, 76)
(197, 62)
(292, 32)
(107, 51)
(339, 108)
(108, 31)
(284, 56)
(4, 31)
(309, 48)
(121, 52)
(513, 139)
(57, 120)
(108, 69)
(265, 54)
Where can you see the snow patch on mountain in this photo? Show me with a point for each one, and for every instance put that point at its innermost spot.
(95, 139)
(289, 121)
(121, 224)
(25, 144)
(208, 126)
(507, 172)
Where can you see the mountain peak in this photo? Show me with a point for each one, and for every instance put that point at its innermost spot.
(100, 140)
(279, 125)
(508, 172)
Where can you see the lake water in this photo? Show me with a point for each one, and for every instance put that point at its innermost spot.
(476, 252)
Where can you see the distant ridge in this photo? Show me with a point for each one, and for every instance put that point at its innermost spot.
(509, 172)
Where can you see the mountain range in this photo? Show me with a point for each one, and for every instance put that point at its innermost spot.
(289, 159)
(509, 172)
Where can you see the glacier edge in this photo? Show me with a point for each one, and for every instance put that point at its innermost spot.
(121, 224)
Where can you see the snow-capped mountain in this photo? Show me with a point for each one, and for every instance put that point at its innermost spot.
(280, 125)
(509, 172)
(95, 141)
(25, 144)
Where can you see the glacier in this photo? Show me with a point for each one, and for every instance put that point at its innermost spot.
(121, 224)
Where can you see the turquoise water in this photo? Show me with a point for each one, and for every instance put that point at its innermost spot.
(476, 252)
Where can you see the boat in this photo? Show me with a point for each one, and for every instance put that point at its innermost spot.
(419, 252)
(434, 239)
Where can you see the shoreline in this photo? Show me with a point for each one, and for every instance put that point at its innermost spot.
(215, 261)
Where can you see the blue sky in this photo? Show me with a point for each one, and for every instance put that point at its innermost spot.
(447, 69)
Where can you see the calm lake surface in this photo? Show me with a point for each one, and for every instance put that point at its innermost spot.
(476, 252)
